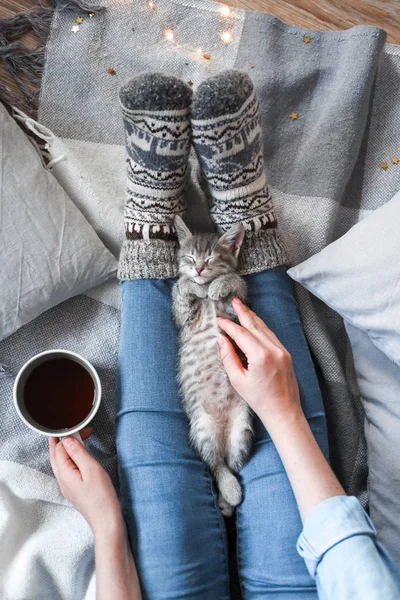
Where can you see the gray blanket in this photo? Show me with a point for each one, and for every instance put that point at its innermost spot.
(324, 168)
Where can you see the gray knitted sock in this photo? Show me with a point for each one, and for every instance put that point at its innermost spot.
(226, 126)
(155, 109)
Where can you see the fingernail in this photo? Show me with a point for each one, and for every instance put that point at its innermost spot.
(68, 442)
(221, 340)
(236, 300)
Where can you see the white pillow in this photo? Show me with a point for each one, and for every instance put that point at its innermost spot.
(359, 277)
(48, 251)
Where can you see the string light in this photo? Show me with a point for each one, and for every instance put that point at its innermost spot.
(169, 35)
(226, 36)
(225, 11)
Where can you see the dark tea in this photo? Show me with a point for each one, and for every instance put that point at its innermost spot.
(59, 394)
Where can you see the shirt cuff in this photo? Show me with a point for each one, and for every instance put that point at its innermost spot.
(328, 524)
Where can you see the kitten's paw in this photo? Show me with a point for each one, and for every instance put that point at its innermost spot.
(235, 494)
(214, 296)
(226, 508)
(216, 291)
(200, 291)
(229, 487)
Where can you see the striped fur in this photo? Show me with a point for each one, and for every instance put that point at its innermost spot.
(220, 420)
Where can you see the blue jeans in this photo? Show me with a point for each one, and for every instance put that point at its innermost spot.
(175, 527)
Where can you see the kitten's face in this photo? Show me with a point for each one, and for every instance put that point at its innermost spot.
(203, 257)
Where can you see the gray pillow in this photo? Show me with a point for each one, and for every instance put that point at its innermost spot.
(378, 380)
(48, 251)
(359, 277)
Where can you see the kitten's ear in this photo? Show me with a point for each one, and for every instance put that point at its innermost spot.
(233, 238)
(182, 230)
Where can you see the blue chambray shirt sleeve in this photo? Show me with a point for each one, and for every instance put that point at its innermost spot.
(339, 546)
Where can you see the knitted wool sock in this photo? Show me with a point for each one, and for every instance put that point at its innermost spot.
(155, 109)
(226, 129)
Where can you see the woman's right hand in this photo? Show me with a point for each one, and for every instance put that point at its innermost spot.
(269, 384)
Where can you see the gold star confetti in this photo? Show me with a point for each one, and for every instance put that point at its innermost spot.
(91, 15)
(293, 116)
(207, 56)
(190, 83)
(395, 160)
(306, 39)
(111, 71)
(384, 165)
(79, 20)
(75, 28)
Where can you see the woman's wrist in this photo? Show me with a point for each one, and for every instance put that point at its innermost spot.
(112, 537)
(110, 525)
(282, 424)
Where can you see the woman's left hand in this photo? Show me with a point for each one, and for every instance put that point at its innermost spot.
(84, 482)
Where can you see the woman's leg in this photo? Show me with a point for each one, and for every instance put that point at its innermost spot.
(226, 125)
(174, 523)
(268, 520)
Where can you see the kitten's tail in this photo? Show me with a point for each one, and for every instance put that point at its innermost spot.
(228, 485)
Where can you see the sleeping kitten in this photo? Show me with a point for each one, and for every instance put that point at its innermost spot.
(220, 420)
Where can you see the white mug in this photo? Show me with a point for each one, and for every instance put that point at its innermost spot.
(26, 370)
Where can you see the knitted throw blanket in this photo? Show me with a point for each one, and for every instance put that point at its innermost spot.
(330, 111)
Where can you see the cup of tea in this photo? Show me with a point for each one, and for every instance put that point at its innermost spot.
(57, 393)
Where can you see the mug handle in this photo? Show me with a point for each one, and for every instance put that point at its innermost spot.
(77, 436)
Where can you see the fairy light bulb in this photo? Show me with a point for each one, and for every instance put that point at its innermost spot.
(169, 35)
(150, 4)
(225, 11)
(199, 51)
(226, 36)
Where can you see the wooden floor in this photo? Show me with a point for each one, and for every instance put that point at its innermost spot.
(332, 14)
(316, 14)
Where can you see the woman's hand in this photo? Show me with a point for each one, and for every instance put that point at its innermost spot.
(84, 482)
(269, 384)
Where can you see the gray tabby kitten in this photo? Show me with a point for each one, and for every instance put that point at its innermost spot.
(220, 420)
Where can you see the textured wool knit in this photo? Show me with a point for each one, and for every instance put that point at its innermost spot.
(155, 111)
(226, 125)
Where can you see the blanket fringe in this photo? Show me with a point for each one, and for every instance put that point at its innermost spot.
(25, 65)
(87, 5)
(38, 20)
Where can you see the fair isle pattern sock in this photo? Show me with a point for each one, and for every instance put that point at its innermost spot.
(226, 129)
(155, 110)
